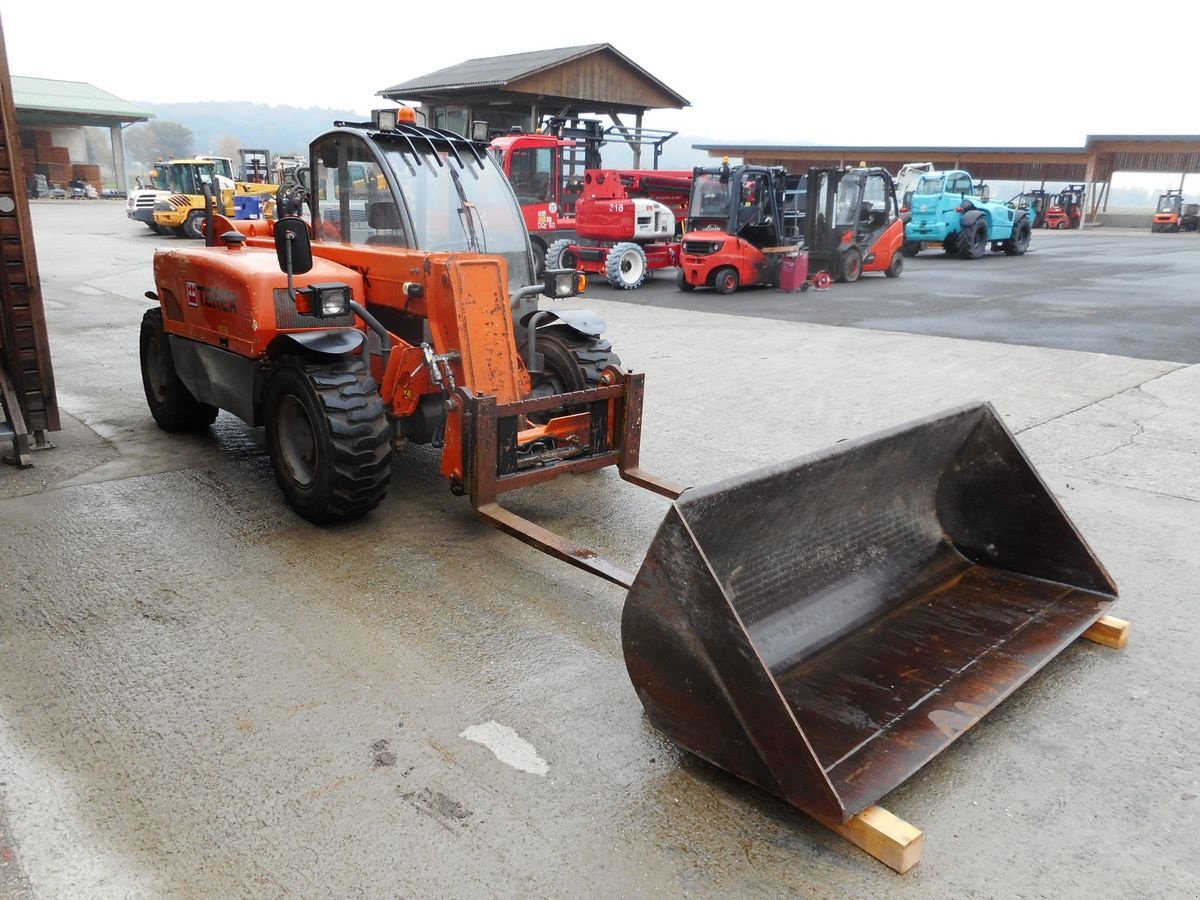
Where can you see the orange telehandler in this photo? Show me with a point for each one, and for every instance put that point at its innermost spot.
(821, 628)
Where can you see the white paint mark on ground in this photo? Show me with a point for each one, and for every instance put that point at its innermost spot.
(510, 748)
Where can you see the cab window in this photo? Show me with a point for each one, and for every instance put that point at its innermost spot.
(353, 196)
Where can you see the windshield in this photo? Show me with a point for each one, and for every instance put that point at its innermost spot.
(185, 179)
(711, 199)
(1166, 204)
(848, 192)
(930, 185)
(461, 206)
(222, 165)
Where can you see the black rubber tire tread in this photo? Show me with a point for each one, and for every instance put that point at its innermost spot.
(173, 406)
(726, 280)
(910, 248)
(973, 240)
(850, 266)
(615, 271)
(895, 267)
(950, 244)
(558, 255)
(539, 259)
(192, 224)
(155, 227)
(682, 283)
(1021, 236)
(571, 362)
(352, 438)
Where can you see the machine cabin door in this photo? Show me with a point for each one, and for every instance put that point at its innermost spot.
(756, 217)
(876, 209)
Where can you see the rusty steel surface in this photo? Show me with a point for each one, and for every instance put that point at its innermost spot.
(824, 628)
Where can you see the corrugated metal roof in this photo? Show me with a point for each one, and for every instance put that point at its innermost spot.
(75, 97)
(498, 71)
(493, 71)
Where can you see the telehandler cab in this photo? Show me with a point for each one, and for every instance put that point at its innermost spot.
(821, 628)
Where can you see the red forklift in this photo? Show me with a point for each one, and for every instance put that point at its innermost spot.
(853, 223)
(736, 232)
(1066, 208)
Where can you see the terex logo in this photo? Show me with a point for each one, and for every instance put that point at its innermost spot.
(211, 298)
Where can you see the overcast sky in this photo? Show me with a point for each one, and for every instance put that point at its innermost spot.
(1018, 74)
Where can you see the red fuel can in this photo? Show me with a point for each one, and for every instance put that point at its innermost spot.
(793, 272)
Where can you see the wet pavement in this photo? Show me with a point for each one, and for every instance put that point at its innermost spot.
(203, 695)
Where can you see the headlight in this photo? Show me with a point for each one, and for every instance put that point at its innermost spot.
(328, 300)
(162, 206)
(562, 283)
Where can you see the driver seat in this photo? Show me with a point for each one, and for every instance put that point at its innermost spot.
(384, 217)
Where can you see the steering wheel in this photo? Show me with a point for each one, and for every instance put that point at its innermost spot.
(290, 199)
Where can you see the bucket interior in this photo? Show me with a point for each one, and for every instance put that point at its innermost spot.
(894, 589)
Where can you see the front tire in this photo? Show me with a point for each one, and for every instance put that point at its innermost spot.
(328, 438)
(851, 265)
(1019, 242)
(193, 226)
(626, 266)
(973, 240)
(171, 403)
(571, 361)
(726, 281)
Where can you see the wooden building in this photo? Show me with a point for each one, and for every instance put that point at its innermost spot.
(522, 89)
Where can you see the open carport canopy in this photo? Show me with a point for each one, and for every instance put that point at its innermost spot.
(1092, 164)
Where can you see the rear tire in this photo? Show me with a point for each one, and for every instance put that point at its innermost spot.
(973, 240)
(539, 260)
(850, 266)
(328, 438)
(173, 406)
(895, 267)
(911, 248)
(726, 281)
(683, 284)
(626, 266)
(562, 255)
(154, 226)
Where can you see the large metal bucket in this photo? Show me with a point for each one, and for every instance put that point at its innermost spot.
(824, 628)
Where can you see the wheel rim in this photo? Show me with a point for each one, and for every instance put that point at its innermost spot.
(631, 266)
(193, 226)
(852, 268)
(297, 441)
(729, 281)
(156, 369)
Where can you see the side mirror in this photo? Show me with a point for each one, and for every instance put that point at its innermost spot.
(292, 246)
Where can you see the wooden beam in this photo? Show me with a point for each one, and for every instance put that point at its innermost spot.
(1109, 631)
(889, 839)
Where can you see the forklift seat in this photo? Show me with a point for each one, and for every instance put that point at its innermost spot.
(384, 217)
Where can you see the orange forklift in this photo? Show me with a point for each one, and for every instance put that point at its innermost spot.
(853, 223)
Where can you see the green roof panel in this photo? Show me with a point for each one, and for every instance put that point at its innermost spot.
(73, 97)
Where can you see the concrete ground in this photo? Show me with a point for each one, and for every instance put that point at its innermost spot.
(203, 695)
